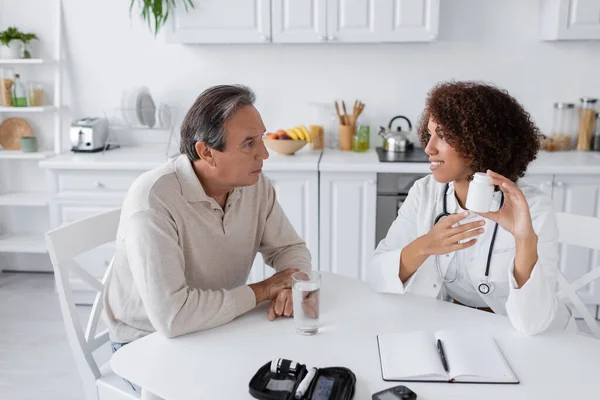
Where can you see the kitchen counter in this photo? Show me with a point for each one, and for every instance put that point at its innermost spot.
(124, 158)
(571, 162)
(146, 158)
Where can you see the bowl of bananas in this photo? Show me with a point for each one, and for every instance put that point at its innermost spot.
(288, 141)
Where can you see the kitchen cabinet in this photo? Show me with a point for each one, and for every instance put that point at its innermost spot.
(221, 21)
(574, 194)
(347, 222)
(355, 21)
(569, 19)
(299, 21)
(410, 20)
(580, 195)
(298, 195)
(302, 21)
(544, 182)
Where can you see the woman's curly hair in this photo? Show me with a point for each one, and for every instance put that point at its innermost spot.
(484, 124)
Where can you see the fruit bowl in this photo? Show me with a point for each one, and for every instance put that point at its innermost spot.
(285, 147)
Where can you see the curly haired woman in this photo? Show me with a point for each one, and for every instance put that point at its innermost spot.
(504, 261)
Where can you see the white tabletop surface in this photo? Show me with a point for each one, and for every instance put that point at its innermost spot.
(219, 363)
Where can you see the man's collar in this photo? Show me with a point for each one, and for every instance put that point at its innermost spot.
(191, 187)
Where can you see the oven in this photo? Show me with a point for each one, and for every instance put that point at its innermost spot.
(392, 190)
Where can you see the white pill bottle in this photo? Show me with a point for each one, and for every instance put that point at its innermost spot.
(480, 194)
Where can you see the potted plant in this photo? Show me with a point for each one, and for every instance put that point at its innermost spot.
(156, 12)
(9, 43)
(26, 38)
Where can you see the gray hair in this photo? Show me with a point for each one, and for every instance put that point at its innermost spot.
(205, 120)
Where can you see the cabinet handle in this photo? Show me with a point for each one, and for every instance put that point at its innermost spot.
(331, 38)
(265, 38)
(322, 38)
(99, 184)
(559, 183)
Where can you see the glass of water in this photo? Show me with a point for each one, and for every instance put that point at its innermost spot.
(305, 297)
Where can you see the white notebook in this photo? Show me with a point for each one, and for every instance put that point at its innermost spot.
(470, 358)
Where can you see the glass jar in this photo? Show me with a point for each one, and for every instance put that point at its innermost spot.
(587, 121)
(317, 137)
(323, 114)
(19, 93)
(360, 141)
(6, 82)
(564, 127)
(35, 90)
(25, 50)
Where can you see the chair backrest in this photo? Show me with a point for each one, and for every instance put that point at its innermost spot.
(65, 243)
(580, 231)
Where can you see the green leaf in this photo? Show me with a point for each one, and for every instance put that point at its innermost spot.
(157, 11)
(9, 34)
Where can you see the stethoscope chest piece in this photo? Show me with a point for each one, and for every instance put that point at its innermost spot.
(485, 287)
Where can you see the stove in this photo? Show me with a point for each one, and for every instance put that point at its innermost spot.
(415, 155)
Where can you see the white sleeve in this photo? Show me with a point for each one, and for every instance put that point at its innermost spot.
(384, 269)
(532, 308)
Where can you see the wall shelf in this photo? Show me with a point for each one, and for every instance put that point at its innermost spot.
(20, 194)
(27, 109)
(20, 155)
(25, 61)
(23, 243)
(24, 199)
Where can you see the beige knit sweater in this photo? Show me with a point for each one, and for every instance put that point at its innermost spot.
(181, 262)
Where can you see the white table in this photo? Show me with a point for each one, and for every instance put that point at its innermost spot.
(218, 363)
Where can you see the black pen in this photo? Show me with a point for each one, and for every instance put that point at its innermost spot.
(442, 355)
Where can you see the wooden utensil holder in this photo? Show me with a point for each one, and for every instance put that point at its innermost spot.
(346, 133)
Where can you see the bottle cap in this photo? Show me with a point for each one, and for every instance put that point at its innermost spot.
(481, 178)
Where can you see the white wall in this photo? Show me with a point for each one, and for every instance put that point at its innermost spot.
(493, 40)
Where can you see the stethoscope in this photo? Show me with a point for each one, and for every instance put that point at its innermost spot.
(484, 286)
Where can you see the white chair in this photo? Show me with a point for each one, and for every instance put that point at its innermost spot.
(580, 231)
(65, 243)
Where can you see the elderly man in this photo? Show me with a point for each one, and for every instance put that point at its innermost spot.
(190, 230)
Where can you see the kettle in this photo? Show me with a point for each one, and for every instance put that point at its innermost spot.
(396, 141)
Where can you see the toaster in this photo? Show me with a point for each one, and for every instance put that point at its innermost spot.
(89, 134)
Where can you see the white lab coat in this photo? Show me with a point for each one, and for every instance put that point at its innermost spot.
(531, 308)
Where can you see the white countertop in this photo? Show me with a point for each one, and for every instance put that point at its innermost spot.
(146, 158)
(124, 158)
(570, 162)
